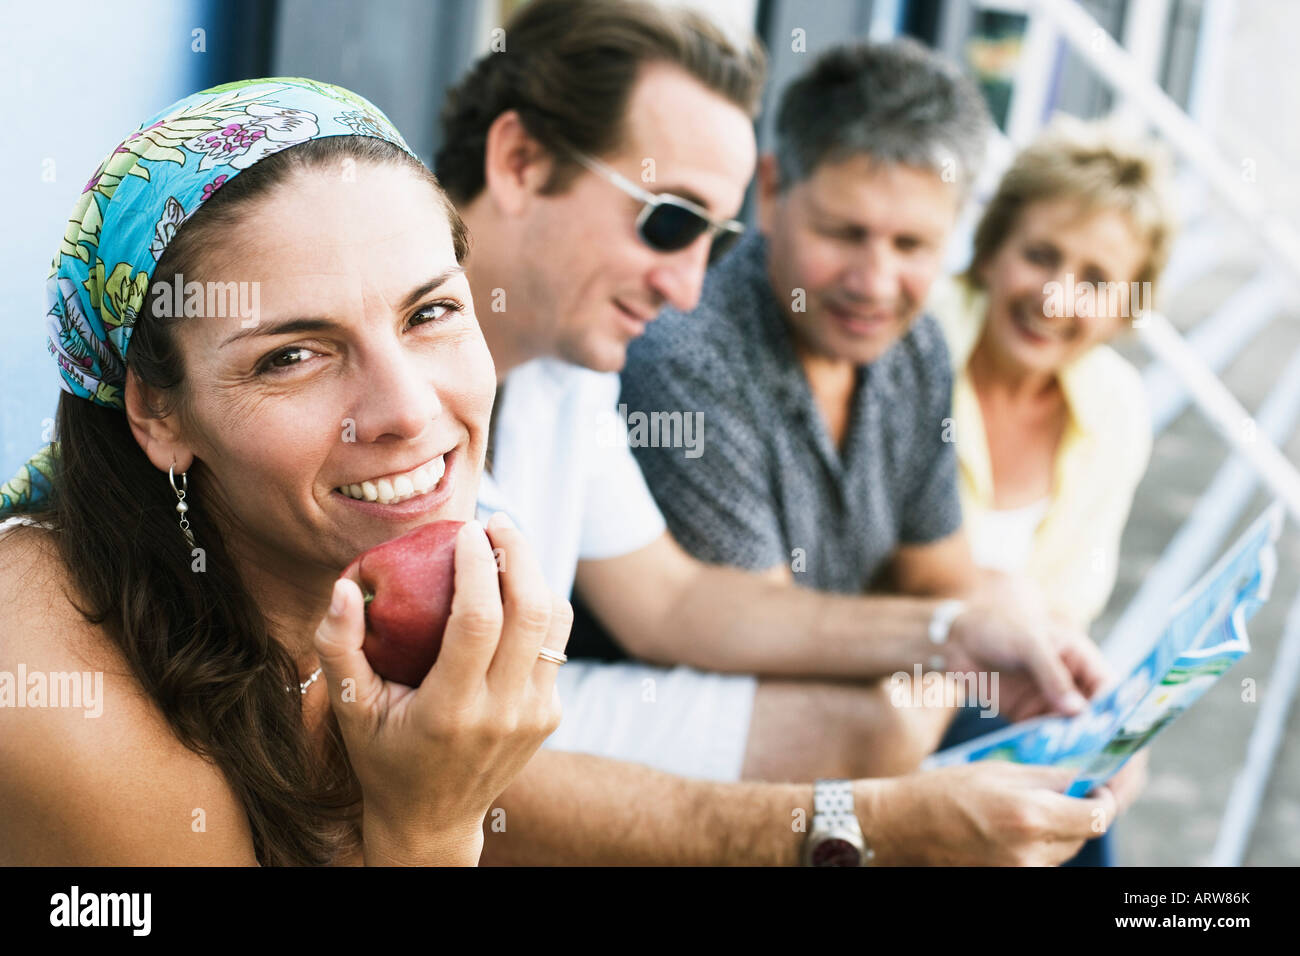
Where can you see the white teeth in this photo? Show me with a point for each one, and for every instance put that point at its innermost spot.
(422, 480)
(391, 490)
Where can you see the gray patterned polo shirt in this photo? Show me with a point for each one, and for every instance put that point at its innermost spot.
(751, 477)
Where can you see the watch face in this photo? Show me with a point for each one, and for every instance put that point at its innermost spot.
(835, 852)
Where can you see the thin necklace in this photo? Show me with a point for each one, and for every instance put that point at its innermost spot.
(302, 688)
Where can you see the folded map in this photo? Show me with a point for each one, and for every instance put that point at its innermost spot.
(1204, 635)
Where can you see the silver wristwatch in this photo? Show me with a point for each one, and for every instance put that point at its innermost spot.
(945, 613)
(836, 838)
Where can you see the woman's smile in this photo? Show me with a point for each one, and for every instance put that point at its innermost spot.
(403, 495)
(1030, 322)
(399, 485)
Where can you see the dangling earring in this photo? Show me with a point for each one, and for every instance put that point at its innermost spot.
(181, 506)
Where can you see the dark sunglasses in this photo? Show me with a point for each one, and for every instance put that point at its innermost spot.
(670, 223)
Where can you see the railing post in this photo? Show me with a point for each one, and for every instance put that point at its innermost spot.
(1222, 410)
(1118, 67)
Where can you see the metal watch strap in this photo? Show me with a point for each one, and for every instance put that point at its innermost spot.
(834, 817)
(941, 621)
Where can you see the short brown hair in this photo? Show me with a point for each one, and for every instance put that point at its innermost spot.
(1100, 167)
(568, 68)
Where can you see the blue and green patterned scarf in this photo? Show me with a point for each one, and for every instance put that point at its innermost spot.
(133, 205)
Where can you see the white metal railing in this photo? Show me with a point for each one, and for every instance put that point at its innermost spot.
(1218, 339)
(1222, 410)
(1126, 74)
(1123, 72)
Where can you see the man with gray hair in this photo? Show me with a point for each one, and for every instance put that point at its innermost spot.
(824, 391)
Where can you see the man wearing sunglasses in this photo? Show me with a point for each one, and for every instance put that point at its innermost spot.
(669, 223)
(597, 164)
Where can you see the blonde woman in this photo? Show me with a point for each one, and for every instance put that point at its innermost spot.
(1052, 429)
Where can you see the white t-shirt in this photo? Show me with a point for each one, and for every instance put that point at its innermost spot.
(563, 471)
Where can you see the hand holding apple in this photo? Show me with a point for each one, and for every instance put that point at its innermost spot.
(407, 583)
(432, 759)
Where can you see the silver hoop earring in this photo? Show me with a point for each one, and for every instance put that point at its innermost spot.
(181, 505)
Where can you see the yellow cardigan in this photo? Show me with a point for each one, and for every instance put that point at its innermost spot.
(1102, 457)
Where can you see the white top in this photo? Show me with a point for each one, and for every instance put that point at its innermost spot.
(1003, 539)
(563, 471)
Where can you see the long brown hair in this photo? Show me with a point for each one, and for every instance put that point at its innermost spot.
(197, 642)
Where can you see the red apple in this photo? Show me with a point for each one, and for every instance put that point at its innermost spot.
(407, 584)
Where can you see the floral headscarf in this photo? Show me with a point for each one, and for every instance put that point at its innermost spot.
(133, 205)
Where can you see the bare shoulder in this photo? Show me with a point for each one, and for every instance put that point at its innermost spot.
(90, 773)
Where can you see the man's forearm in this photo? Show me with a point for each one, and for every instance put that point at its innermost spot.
(576, 809)
(736, 621)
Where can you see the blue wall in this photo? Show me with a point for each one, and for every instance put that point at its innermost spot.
(75, 78)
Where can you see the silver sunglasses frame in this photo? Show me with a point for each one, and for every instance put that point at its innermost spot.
(653, 200)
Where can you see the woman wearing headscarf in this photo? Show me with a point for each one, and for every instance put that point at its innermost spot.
(270, 363)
